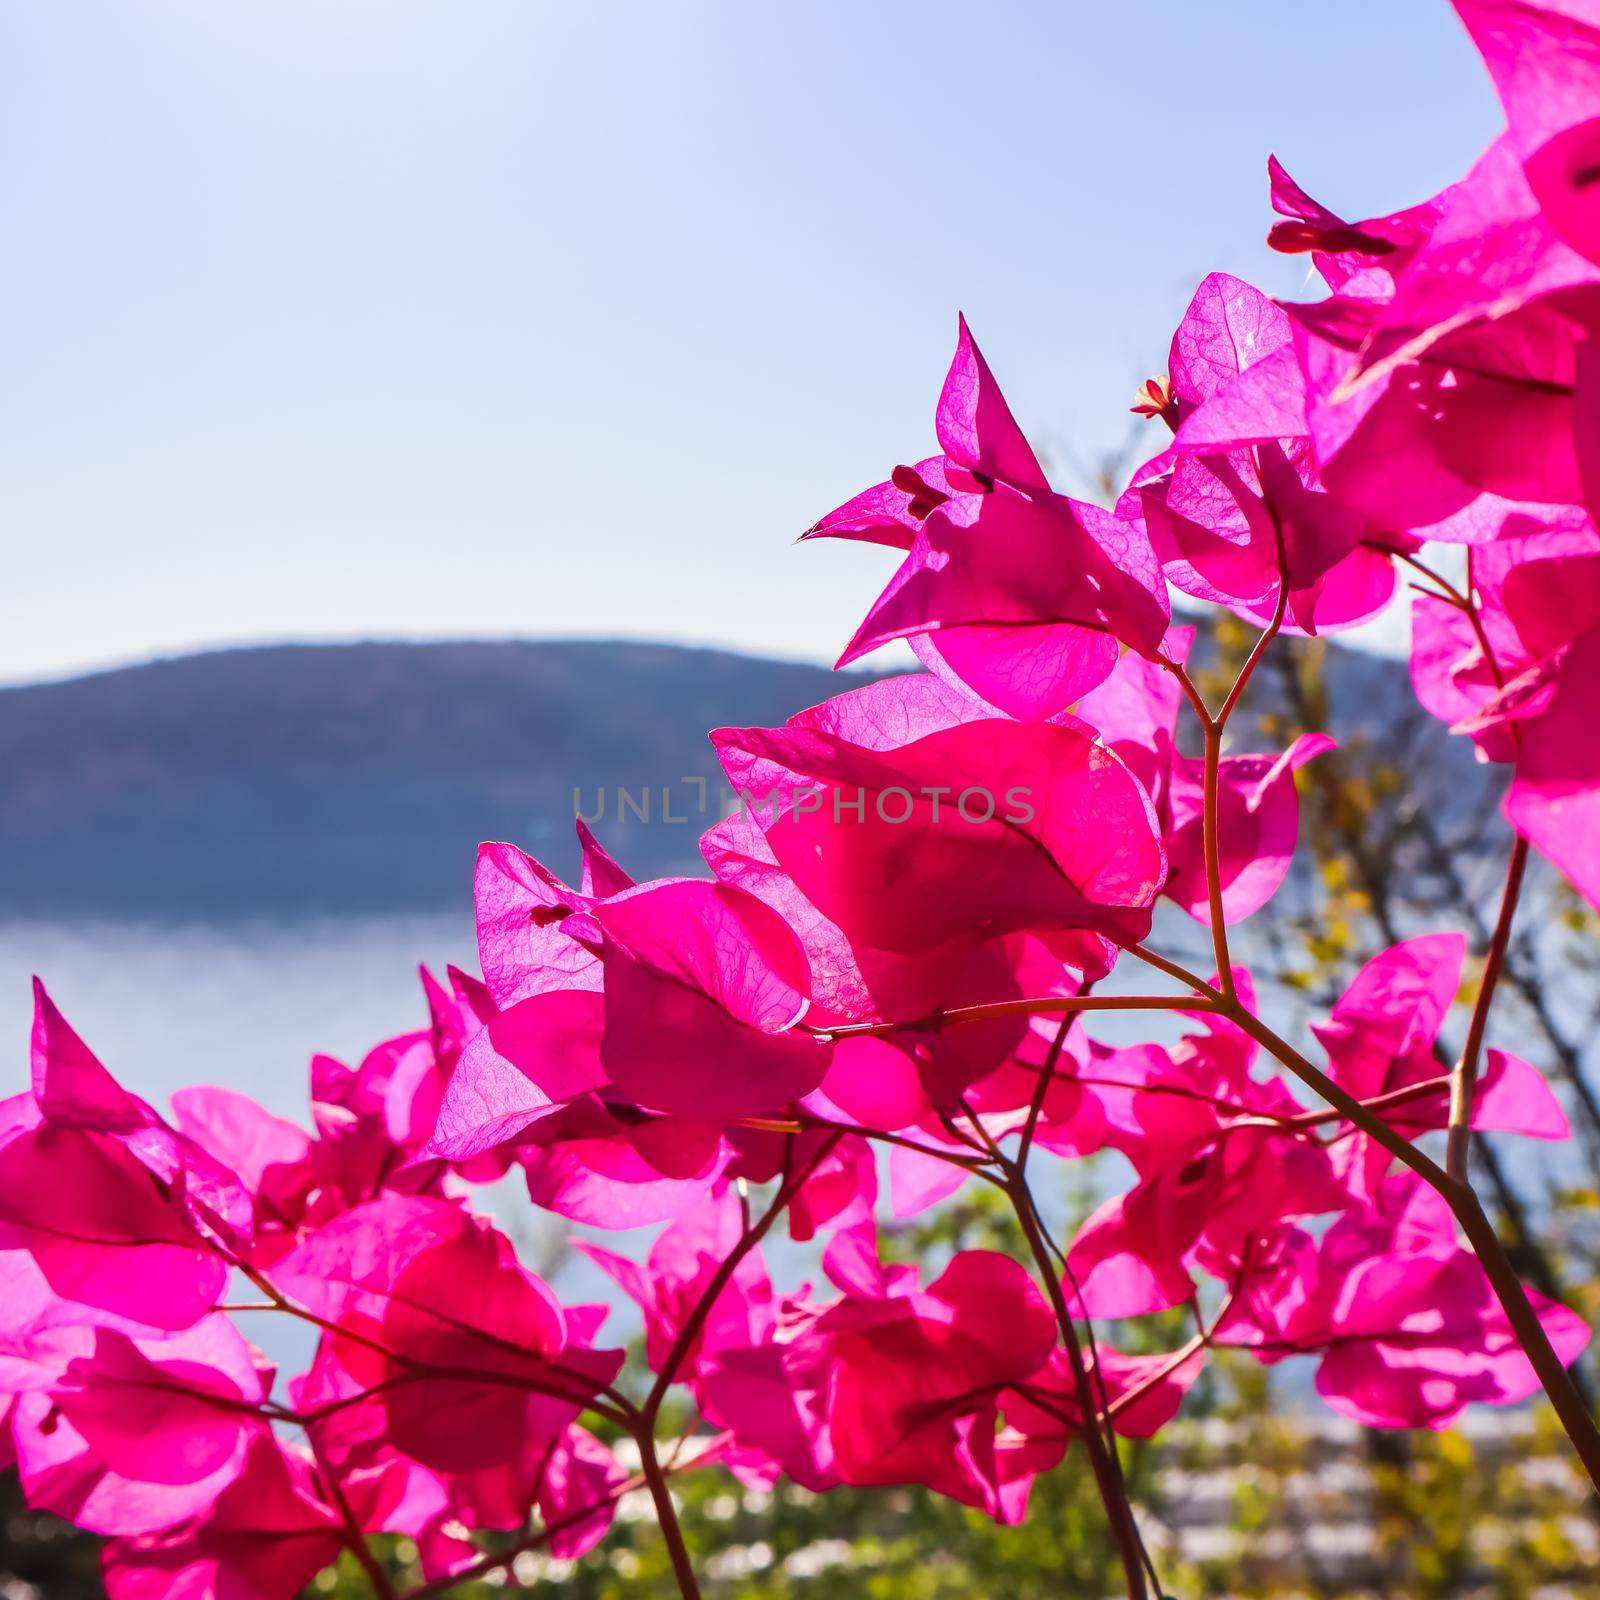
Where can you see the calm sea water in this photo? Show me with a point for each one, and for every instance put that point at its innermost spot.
(246, 1002)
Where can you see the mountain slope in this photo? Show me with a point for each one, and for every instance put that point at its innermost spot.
(359, 775)
(363, 775)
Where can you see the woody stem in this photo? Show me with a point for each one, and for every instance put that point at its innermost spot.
(666, 1515)
(1474, 1222)
(1107, 1469)
(1463, 1081)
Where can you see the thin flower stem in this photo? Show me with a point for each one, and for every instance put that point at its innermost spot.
(667, 1515)
(1463, 602)
(1213, 857)
(619, 1412)
(642, 1426)
(1380, 1102)
(1451, 592)
(1190, 693)
(1165, 964)
(995, 1153)
(1269, 633)
(1464, 1079)
(1201, 1341)
(666, 1376)
(1046, 1006)
(1041, 1090)
(1104, 1463)
(355, 1540)
(809, 1121)
(1211, 816)
(1464, 1205)
(1212, 727)
(1433, 594)
(953, 1129)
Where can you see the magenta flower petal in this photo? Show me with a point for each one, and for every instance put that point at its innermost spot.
(134, 1436)
(542, 1051)
(1070, 840)
(703, 985)
(225, 1553)
(1258, 828)
(1545, 61)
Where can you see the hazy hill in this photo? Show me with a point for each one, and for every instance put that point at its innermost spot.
(359, 774)
(364, 775)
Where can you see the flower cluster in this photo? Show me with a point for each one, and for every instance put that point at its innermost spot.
(885, 990)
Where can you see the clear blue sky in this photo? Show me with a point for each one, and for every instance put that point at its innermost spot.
(341, 318)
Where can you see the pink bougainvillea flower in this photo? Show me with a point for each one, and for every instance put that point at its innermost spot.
(273, 1158)
(1139, 1394)
(959, 1386)
(773, 1398)
(132, 1435)
(1024, 598)
(840, 1191)
(612, 1169)
(73, 1091)
(853, 980)
(1258, 828)
(1541, 710)
(1554, 800)
(981, 442)
(1342, 249)
(531, 1084)
(703, 986)
(1136, 713)
(962, 1387)
(539, 1053)
(370, 1117)
(267, 1536)
(570, 1478)
(1022, 593)
(921, 1072)
(919, 1380)
(1519, 680)
(1218, 1157)
(1380, 1038)
(1235, 507)
(894, 1082)
(682, 1262)
(371, 1121)
(1409, 1329)
(521, 906)
(453, 1393)
(577, 1493)
(1137, 1252)
(101, 1233)
(1544, 57)
(119, 1214)
(1453, 378)
(1461, 664)
(982, 828)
